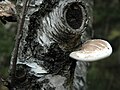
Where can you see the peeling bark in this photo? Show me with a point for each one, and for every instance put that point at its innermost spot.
(52, 29)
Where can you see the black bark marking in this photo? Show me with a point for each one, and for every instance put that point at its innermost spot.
(74, 15)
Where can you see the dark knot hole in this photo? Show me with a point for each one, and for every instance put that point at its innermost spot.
(74, 15)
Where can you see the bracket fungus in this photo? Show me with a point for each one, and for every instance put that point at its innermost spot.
(7, 12)
(92, 50)
(6, 8)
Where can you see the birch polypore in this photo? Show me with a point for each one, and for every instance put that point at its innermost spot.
(93, 50)
(6, 8)
(7, 12)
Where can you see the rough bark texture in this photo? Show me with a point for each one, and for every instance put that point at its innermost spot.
(53, 29)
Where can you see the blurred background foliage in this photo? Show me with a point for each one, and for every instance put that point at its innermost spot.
(105, 74)
(102, 75)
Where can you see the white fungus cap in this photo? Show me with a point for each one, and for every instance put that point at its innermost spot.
(7, 8)
(92, 50)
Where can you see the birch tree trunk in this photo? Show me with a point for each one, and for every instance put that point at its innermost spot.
(52, 30)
